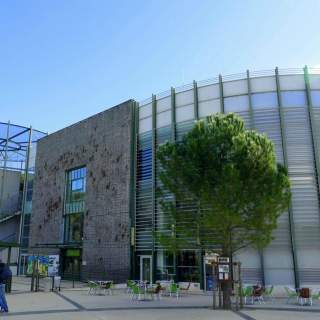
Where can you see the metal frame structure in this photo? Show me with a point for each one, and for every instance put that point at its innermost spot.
(17, 153)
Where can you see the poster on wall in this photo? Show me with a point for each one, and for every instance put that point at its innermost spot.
(53, 266)
(41, 261)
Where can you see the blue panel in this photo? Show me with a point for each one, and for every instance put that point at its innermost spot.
(264, 100)
(145, 164)
(293, 98)
(315, 97)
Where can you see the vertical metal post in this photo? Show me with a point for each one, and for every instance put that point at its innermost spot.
(214, 289)
(195, 100)
(240, 285)
(4, 168)
(133, 174)
(196, 117)
(252, 127)
(314, 130)
(24, 195)
(154, 183)
(173, 115)
(72, 271)
(33, 273)
(173, 140)
(285, 160)
(221, 94)
(9, 256)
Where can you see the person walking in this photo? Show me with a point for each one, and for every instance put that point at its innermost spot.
(5, 274)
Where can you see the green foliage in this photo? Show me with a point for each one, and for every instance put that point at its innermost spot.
(229, 176)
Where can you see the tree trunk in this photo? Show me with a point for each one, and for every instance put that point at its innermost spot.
(226, 287)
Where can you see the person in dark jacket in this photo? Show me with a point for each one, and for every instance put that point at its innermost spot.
(5, 273)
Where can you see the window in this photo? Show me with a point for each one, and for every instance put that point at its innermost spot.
(74, 204)
(188, 266)
(76, 185)
(74, 227)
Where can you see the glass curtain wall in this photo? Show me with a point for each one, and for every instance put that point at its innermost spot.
(74, 205)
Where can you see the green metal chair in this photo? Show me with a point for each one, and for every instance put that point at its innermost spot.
(316, 294)
(136, 292)
(130, 283)
(247, 293)
(268, 292)
(174, 290)
(93, 287)
(291, 293)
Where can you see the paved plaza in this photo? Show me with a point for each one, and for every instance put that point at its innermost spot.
(75, 303)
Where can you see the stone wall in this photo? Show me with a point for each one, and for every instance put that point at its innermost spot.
(102, 144)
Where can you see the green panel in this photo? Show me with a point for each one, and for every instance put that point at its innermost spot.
(173, 114)
(221, 94)
(73, 253)
(195, 100)
(250, 101)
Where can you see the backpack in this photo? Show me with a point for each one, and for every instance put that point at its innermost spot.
(5, 274)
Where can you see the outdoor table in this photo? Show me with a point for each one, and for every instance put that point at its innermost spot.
(102, 283)
(145, 286)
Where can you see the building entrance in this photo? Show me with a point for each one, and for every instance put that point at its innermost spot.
(71, 264)
(146, 268)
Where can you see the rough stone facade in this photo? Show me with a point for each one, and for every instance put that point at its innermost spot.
(102, 144)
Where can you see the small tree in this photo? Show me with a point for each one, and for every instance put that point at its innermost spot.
(230, 177)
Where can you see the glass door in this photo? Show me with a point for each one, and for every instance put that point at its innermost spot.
(146, 268)
(71, 264)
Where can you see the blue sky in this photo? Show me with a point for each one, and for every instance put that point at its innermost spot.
(64, 60)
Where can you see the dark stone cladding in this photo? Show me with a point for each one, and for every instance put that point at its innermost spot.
(102, 144)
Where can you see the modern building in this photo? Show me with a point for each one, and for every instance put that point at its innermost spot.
(82, 193)
(17, 160)
(95, 186)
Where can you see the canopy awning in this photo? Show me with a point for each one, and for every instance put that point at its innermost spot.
(4, 244)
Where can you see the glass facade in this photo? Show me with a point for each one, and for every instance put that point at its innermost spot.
(283, 104)
(74, 205)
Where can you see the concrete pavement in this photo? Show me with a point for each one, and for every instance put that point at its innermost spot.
(77, 305)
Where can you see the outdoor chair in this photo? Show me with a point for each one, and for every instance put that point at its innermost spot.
(155, 291)
(316, 294)
(130, 283)
(268, 293)
(185, 290)
(247, 293)
(107, 287)
(136, 292)
(291, 293)
(93, 287)
(174, 290)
